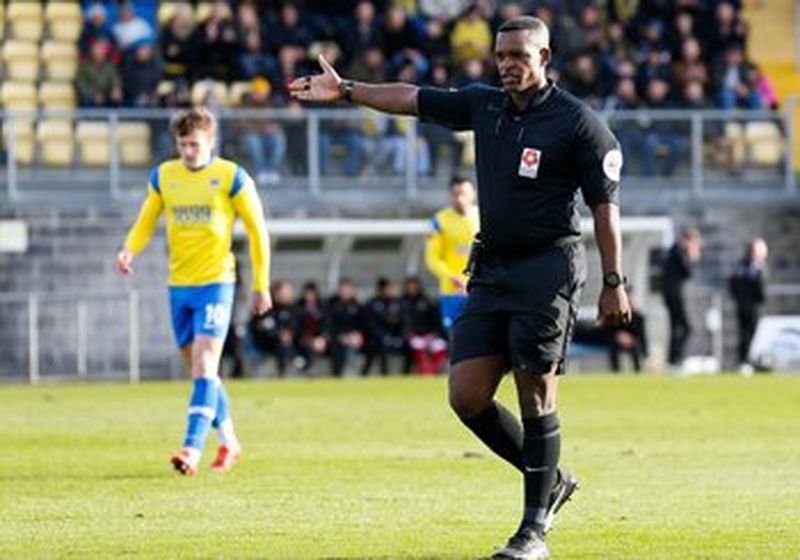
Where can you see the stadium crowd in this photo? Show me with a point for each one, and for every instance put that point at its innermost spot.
(657, 54)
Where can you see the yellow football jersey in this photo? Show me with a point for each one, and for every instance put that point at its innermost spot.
(200, 208)
(448, 245)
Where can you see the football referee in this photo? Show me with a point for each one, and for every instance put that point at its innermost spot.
(537, 147)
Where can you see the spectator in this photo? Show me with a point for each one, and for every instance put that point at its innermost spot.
(254, 62)
(95, 28)
(442, 10)
(131, 30)
(628, 130)
(98, 81)
(629, 339)
(689, 66)
(263, 138)
(310, 340)
(346, 326)
(586, 35)
(683, 28)
(436, 137)
(746, 286)
(735, 81)
(471, 36)
(140, 77)
(662, 134)
(399, 35)
(726, 30)
(422, 328)
(179, 45)
(273, 333)
(218, 44)
(615, 48)
(765, 88)
(289, 30)
(654, 66)
(363, 32)
(584, 81)
(677, 269)
(437, 43)
(385, 336)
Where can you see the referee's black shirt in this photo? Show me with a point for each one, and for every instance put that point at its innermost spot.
(530, 163)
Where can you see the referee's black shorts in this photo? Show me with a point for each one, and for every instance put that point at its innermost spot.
(522, 308)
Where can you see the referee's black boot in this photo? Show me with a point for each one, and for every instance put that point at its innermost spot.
(560, 494)
(526, 544)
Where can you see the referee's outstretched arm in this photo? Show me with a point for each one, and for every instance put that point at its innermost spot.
(397, 98)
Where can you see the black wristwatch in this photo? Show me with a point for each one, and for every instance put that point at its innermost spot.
(346, 87)
(613, 279)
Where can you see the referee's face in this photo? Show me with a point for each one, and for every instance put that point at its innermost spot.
(521, 61)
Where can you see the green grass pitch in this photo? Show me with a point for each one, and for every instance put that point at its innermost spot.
(380, 468)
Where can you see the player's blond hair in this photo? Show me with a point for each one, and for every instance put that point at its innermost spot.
(189, 120)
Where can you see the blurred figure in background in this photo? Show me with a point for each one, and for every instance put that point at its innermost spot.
(310, 340)
(384, 320)
(273, 332)
(346, 326)
(448, 245)
(746, 286)
(98, 81)
(677, 270)
(423, 328)
(263, 138)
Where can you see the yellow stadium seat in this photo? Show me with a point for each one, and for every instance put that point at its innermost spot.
(201, 91)
(56, 142)
(57, 95)
(60, 60)
(764, 143)
(2, 21)
(18, 96)
(236, 93)
(94, 146)
(21, 59)
(24, 143)
(25, 20)
(133, 139)
(64, 20)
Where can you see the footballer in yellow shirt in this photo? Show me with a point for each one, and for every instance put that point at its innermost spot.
(448, 245)
(200, 197)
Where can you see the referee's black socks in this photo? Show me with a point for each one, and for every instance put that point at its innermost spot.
(540, 451)
(500, 431)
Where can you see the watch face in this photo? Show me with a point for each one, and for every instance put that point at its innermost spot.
(612, 279)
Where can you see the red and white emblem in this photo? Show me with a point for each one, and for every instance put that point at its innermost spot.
(529, 163)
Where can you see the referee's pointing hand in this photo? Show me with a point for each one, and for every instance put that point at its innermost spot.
(320, 88)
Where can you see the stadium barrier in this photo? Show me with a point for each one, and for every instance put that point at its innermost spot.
(58, 155)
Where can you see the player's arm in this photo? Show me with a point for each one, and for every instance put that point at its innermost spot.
(598, 160)
(613, 305)
(248, 206)
(397, 98)
(448, 107)
(142, 231)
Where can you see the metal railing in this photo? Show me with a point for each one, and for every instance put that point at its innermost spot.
(340, 150)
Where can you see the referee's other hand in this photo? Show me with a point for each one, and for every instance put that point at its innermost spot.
(323, 87)
(613, 307)
(125, 262)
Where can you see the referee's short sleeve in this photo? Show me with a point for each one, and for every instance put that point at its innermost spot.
(451, 108)
(598, 159)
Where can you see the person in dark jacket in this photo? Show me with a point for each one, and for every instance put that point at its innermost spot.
(677, 270)
(273, 332)
(384, 319)
(746, 286)
(422, 326)
(346, 326)
(310, 340)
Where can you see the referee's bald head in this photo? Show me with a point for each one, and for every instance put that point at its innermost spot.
(536, 28)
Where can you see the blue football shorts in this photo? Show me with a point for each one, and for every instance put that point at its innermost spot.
(450, 308)
(200, 310)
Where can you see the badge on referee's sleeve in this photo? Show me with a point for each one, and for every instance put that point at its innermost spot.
(529, 163)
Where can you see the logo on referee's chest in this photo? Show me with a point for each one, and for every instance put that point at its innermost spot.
(529, 163)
